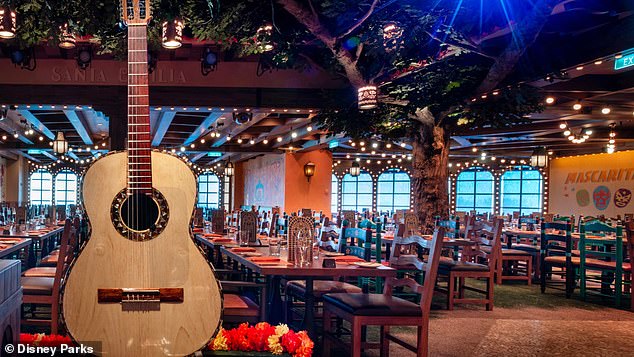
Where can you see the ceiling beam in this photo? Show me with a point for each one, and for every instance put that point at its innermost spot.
(37, 124)
(10, 125)
(163, 123)
(8, 154)
(24, 154)
(79, 126)
(237, 129)
(49, 155)
(203, 127)
(198, 156)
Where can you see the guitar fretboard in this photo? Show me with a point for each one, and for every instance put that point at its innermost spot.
(139, 150)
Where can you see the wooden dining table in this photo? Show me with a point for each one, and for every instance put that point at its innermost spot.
(274, 271)
(12, 246)
(43, 241)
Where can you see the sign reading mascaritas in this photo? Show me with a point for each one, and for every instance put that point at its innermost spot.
(599, 184)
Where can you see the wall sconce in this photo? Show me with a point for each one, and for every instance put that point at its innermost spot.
(229, 169)
(539, 157)
(355, 170)
(172, 35)
(309, 170)
(60, 145)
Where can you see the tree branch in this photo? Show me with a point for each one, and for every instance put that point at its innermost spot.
(361, 21)
(358, 53)
(312, 23)
(312, 9)
(505, 63)
(466, 48)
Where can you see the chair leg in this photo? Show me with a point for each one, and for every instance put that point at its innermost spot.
(529, 271)
(500, 270)
(327, 327)
(422, 347)
(489, 304)
(355, 339)
(384, 341)
(450, 292)
(54, 318)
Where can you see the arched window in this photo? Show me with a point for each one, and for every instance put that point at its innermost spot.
(334, 191)
(474, 191)
(66, 188)
(393, 191)
(521, 191)
(208, 191)
(41, 188)
(356, 192)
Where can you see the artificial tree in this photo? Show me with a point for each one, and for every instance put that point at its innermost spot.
(431, 77)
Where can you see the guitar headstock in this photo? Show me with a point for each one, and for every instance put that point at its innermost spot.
(135, 12)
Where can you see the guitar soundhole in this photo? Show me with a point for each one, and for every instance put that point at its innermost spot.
(140, 212)
(138, 216)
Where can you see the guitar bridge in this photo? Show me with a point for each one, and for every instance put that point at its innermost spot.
(131, 295)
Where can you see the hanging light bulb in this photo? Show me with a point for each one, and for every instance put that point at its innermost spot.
(172, 34)
(367, 97)
(67, 38)
(263, 38)
(7, 23)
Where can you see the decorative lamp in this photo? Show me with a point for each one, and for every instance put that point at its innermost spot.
(309, 170)
(539, 157)
(172, 34)
(67, 40)
(367, 97)
(229, 169)
(263, 38)
(392, 33)
(60, 145)
(355, 170)
(7, 23)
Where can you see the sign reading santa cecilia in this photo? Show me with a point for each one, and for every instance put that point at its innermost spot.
(592, 184)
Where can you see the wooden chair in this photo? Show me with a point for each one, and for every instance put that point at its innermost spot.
(556, 252)
(45, 290)
(603, 255)
(386, 310)
(48, 264)
(458, 271)
(238, 305)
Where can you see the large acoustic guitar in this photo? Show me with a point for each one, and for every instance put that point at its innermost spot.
(140, 286)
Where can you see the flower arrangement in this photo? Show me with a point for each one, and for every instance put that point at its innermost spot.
(263, 337)
(40, 339)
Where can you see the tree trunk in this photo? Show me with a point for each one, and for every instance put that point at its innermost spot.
(430, 149)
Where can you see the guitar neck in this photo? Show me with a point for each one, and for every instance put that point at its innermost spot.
(139, 150)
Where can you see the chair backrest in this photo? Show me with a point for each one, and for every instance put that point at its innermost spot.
(299, 228)
(629, 236)
(412, 225)
(405, 251)
(350, 216)
(218, 220)
(629, 217)
(553, 242)
(357, 242)
(65, 254)
(485, 234)
(430, 272)
(249, 224)
(587, 241)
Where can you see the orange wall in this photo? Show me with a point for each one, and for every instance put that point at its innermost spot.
(299, 193)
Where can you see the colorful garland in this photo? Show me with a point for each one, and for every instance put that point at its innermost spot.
(264, 338)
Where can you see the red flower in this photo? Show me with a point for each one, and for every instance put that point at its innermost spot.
(290, 342)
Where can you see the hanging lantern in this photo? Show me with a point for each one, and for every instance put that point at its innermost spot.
(7, 23)
(263, 38)
(539, 157)
(67, 38)
(309, 170)
(229, 169)
(60, 145)
(172, 34)
(367, 97)
(355, 170)
(392, 33)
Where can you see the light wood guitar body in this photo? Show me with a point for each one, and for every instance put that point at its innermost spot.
(170, 260)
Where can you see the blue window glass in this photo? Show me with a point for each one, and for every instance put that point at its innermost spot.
(208, 191)
(41, 188)
(521, 191)
(334, 191)
(394, 189)
(356, 192)
(474, 191)
(66, 188)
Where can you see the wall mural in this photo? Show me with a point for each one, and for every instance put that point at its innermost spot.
(264, 181)
(599, 184)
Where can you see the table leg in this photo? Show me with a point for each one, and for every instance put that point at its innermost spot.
(309, 312)
(274, 315)
(31, 259)
(219, 261)
(388, 249)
